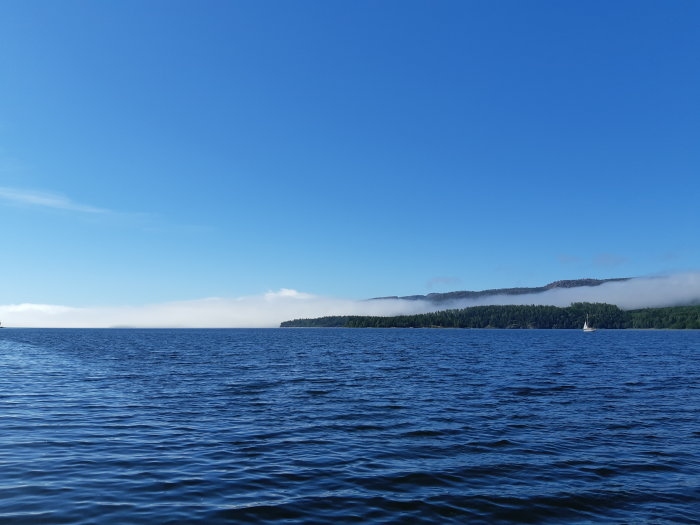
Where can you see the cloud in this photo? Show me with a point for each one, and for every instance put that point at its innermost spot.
(45, 200)
(146, 221)
(287, 292)
(269, 309)
(266, 310)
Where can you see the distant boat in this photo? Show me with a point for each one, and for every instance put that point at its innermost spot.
(586, 327)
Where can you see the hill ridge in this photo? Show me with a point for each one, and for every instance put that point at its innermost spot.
(469, 294)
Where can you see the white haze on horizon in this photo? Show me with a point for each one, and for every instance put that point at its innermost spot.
(270, 309)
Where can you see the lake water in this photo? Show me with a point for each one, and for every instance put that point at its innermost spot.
(349, 426)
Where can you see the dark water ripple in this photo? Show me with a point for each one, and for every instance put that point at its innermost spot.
(365, 426)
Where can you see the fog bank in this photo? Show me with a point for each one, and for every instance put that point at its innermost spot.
(270, 309)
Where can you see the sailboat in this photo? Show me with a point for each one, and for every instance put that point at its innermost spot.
(587, 327)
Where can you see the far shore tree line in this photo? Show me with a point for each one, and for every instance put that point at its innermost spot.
(600, 315)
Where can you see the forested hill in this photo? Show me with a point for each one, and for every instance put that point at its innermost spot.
(467, 294)
(601, 315)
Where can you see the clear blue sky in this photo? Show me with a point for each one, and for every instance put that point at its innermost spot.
(162, 150)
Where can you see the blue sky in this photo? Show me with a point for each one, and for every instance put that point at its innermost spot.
(160, 151)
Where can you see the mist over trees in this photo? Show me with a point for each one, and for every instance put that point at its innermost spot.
(600, 315)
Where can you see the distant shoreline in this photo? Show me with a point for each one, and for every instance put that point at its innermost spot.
(602, 316)
(484, 328)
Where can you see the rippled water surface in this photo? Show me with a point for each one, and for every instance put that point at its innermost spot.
(339, 425)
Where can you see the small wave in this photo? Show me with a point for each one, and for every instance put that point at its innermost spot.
(431, 433)
(215, 427)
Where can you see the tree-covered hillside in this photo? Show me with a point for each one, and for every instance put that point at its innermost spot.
(600, 315)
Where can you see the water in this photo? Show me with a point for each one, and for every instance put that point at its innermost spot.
(349, 426)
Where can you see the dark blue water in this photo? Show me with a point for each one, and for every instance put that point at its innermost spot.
(339, 426)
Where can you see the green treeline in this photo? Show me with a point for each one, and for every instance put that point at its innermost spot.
(600, 315)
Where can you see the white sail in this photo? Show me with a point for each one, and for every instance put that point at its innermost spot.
(587, 328)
